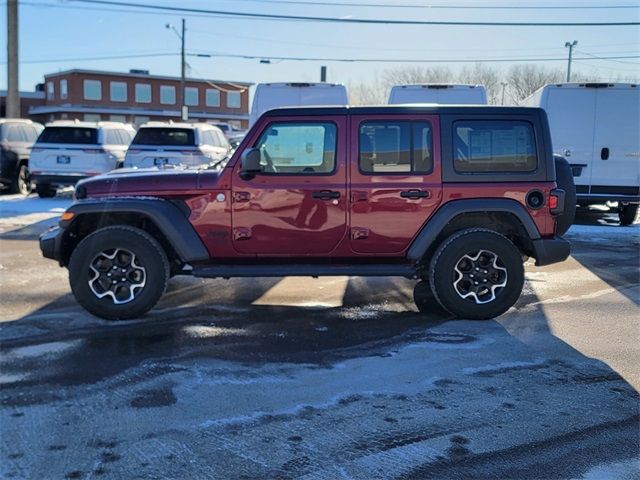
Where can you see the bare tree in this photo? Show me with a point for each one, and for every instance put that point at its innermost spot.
(523, 80)
(483, 74)
(413, 74)
(372, 93)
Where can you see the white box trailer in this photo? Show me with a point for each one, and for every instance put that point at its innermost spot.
(596, 127)
(274, 95)
(449, 93)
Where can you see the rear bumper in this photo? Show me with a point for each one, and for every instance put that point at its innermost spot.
(592, 199)
(550, 250)
(57, 178)
(51, 244)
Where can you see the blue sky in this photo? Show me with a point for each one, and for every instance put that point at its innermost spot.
(60, 31)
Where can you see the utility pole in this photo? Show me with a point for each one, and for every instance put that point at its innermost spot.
(570, 45)
(504, 84)
(323, 73)
(184, 111)
(183, 108)
(13, 94)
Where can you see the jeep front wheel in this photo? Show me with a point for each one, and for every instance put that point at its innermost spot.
(118, 272)
(477, 274)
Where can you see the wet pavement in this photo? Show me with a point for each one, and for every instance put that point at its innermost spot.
(326, 378)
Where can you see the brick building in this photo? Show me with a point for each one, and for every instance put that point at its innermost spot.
(138, 97)
(27, 101)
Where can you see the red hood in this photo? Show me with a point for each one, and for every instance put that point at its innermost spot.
(143, 182)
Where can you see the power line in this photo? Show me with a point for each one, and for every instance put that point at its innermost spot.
(369, 21)
(605, 58)
(444, 7)
(408, 60)
(324, 59)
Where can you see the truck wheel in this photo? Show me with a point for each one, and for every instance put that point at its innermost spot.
(628, 214)
(118, 272)
(45, 190)
(564, 180)
(476, 274)
(425, 300)
(21, 184)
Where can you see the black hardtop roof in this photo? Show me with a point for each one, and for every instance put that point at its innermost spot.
(424, 108)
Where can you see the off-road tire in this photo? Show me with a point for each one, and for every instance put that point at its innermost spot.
(628, 214)
(564, 180)
(45, 190)
(425, 300)
(443, 275)
(149, 255)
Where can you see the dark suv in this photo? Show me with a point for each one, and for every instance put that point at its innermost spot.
(17, 136)
(455, 196)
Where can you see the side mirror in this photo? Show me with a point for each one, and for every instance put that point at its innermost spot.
(250, 163)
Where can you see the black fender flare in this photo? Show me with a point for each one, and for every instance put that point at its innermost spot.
(447, 212)
(167, 217)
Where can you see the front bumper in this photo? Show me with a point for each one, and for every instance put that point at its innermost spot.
(51, 244)
(550, 250)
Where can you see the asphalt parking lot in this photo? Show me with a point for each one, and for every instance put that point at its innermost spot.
(321, 378)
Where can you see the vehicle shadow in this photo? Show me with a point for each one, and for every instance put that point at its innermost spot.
(608, 250)
(493, 368)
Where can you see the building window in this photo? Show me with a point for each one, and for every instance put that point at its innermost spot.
(191, 96)
(51, 90)
(167, 95)
(118, 91)
(118, 118)
(92, 117)
(139, 120)
(143, 93)
(233, 99)
(64, 92)
(92, 90)
(212, 97)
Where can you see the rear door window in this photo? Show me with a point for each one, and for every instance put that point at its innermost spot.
(395, 147)
(73, 135)
(495, 146)
(178, 137)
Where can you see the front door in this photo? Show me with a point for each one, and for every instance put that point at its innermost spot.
(297, 205)
(395, 180)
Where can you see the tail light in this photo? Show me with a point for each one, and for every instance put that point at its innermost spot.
(37, 149)
(556, 201)
(93, 150)
(134, 151)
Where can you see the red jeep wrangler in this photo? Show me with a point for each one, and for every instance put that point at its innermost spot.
(455, 196)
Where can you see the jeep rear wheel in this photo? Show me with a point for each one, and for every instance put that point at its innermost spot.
(477, 274)
(118, 272)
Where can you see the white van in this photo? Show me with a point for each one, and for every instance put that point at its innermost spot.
(596, 127)
(275, 95)
(460, 94)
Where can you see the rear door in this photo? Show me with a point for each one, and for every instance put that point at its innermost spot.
(572, 114)
(395, 180)
(616, 160)
(298, 205)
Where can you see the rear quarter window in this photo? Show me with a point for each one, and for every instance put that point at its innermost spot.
(179, 137)
(494, 146)
(74, 135)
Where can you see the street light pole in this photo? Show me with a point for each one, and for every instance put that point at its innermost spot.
(183, 108)
(570, 45)
(504, 84)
